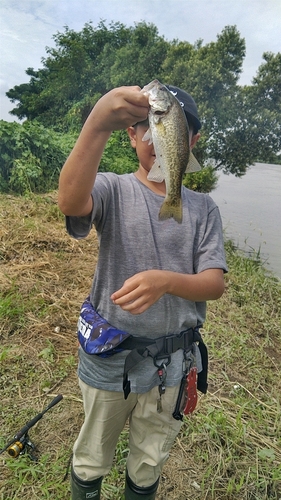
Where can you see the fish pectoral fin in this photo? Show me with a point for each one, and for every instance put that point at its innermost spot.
(147, 136)
(193, 165)
(155, 174)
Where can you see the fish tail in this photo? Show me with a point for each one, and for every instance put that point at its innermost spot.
(171, 209)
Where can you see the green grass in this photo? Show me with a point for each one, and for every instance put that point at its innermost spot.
(228, 449)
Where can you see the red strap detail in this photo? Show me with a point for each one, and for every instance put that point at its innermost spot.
(191, 391)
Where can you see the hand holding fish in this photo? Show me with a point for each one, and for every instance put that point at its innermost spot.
(116, 110)
(119, 109)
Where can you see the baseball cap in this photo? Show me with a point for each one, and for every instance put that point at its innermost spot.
(188, 104)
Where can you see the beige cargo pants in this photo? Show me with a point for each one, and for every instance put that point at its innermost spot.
(151, 434)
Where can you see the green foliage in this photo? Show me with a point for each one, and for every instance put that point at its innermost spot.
(12, 307)
(141, 58)
(252, 123)
(119, 157)
(268, 82)
(85, 65)
(264, 98)
(241, 125)
(71, 71)
(204, 181)
(31, 157)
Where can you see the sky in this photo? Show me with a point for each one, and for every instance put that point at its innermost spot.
(27, 28)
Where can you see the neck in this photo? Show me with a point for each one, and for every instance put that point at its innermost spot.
(157, 187)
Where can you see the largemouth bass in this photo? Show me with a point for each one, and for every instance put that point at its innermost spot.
(169, 133)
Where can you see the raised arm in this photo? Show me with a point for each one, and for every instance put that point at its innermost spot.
(118, 109)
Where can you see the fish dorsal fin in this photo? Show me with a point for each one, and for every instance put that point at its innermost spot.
(193, 165)
(155, 174)
(147, 136)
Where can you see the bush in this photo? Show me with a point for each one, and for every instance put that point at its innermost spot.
(31, 157)
(203, 181)
(119, 157)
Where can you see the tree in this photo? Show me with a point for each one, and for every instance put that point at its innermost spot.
(240, 124)
(85, 65)
(141, 59)
(70, 71)
(210, 73)
(265, 103)
(252, 132)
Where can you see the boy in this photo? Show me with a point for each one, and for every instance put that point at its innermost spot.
(152, 279)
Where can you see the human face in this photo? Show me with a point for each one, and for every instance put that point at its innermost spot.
(145, 151)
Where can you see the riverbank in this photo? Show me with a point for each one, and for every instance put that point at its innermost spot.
(229, 449)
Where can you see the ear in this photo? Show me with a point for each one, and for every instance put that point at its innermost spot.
(194, 139)
(132, 136)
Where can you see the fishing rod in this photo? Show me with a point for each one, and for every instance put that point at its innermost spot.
(21, 442)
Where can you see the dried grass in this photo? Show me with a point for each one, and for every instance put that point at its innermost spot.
(230, 448)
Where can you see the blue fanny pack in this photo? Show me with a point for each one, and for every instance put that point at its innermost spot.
(97, 336)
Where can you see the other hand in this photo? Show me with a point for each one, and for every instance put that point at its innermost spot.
(141, 291)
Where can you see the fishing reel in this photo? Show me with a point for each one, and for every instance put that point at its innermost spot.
(22, 446)
(21, 442)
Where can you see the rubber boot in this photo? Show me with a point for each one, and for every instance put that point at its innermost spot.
(84, 490)
(134, 492)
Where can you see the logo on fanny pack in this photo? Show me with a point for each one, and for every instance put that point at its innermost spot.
(84, 327)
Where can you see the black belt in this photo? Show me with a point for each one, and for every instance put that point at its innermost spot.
(162, 348)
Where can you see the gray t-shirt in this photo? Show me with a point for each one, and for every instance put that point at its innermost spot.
(131, 240)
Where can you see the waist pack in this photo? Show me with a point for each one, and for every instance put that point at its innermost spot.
(97, 336)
